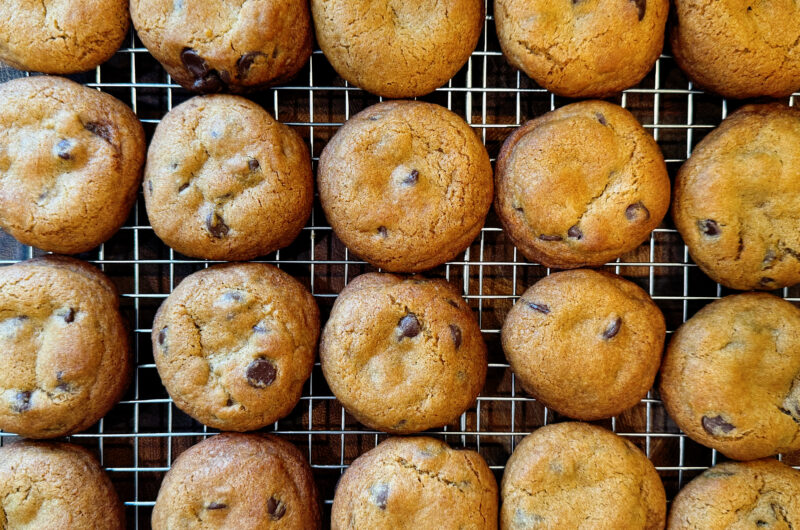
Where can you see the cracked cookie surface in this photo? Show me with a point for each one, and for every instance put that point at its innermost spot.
(65, 350)
(737, 199)
(731, 376)
(406, 185)
(238, 481)
(224, 180)
(576, 475)
(582, 48)
(581, 185)
(402, 354)
(70, 163)
(235, 343)
(416, 482)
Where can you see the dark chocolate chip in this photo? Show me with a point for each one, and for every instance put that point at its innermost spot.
(162, 336)
(716, 426)
(637, 211)
(63, 149)
(195, 64)
(216, 225)
(409, 326)
(236, 296)
(375, 117)
(382, 231)
(519, 209)
(209, 84)
(542, 308)
(766, 281)
(261, 373)
(229, 403)
(761, 523)
(456, 332)
(546, 237)
(411, 178)
(245, 62)
(769, 257)
(253, 164)
(275, 508)
(102, 129)
(612, 329)
(453, 303)
(69, 317)
(709, 227)
(59, 375)
(379, 495)
(601, 118)
(641, 5)
(259, 328)
(150, 186)
(183, 187)
(22, 402)
(574, 232)
(217, 506)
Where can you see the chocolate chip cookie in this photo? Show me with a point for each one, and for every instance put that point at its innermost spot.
(226, 45)
(61, 36)
(235, 343)
(576, 475)
(55, 485)
(70, 163)
(737, 199)
(398, 49)
(739, 49)
(585, 343)
(406, 185)
(238, 481)
(731, 376)
(416, 482)
(582, 48)
(66, 356)
(402, 354)
(758, 494)
(581, 185)
(224, 180)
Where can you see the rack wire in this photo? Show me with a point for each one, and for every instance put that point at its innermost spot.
(140, 438)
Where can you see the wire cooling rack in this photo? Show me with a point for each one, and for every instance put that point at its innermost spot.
(139, 439)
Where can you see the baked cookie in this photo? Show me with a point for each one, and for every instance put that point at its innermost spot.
(758, 494)
(582, 48)
(731, 376)
(55, 485)
(70, 163)
(238, 481)
(398, 49)
(739, 49)
(416, 482)
(225, 45)
(581, 185)
(406, 185)
(235, 343)
(402, 354)
(61, 36)
(585, 343)
(66, 356)
(737, 199)
(226, 181)
(576, 475)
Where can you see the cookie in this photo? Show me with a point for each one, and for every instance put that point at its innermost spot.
(402, 354)
(758, 494)
(581, 185)
(731, 376)
(583, 48)
(66, 355)
(739, 49)
(235, 343)
(55, 485)
(576, 475)
(225, 181)
(585, 343)
(61, 36)
(225, 45)
(70, 163)
(398, 49)
(406, 185)
(737, 199)
(238, 481)
(417, 482)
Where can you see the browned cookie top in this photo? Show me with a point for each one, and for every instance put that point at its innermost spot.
(581, 185)
(70, 163)
(737, 199)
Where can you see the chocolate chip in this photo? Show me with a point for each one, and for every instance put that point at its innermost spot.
(69, 317)
(601, 118)
(546, 237)
(519, 209)
(612, 329)
(259, 328)
(455, 331)
(22, 402)
(217, 506)
(375, 117)
(761, 523)
(542, 308)
(766, 281)
(63, 387)
(245, 62)
(102, 129)
(641, 5)
(409, 326)
(716, 426)
(216, 225)
(637, 211)
(574, 232)
(379, 495)
(769, 257)
(59, 375)
(205, 80)
(453, 303)
(261, 373)
(63, 149)
(382, 231)
(275, 508)
(411, 178)
(253, 164)
(209, 84)
(229, 402)
(236, 296)
(162, 336)
(150, 186)
(709, 227)
(183, 187)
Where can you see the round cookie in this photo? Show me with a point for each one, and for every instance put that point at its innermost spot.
(235, 343)
(55, 485)
(224, 180)
(739, 49)
(398, 49)
(576, 475)
(406, 185)
(66, 356)
(70, 163)
(402, 354)
(737, 199)
(417, 482)
(581, 185)
(731, 376)
(238, 481)
(225, 45)
(762, 493)
(61, 36)
(582, 48)
(585, 343)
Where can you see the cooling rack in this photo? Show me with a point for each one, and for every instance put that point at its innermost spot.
(139, 439)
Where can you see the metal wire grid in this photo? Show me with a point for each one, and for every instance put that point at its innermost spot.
(139, 439)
